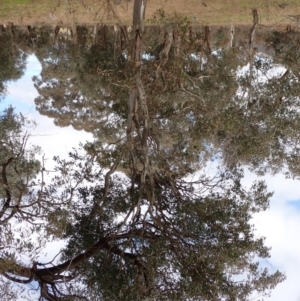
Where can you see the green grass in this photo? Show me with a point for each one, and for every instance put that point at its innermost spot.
(217, 11)
(14, 2)
(17, 9)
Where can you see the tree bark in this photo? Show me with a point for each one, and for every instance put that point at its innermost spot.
(139, 9)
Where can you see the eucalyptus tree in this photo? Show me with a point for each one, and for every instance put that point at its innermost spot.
(19, 165)
(142, 216)
(181, 239)
(260, 126)
(20, 204)
(72, 88)
(12, 59)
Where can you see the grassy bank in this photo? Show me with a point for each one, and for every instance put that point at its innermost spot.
(271, 12)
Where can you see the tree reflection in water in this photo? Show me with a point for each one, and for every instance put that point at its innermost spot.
(161, 102)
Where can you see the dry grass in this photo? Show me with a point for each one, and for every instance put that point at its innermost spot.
(97, 11)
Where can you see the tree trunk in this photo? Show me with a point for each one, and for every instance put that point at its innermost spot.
(139, 15)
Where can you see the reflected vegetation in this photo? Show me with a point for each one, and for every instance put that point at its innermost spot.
(12, 59)
(143, 216)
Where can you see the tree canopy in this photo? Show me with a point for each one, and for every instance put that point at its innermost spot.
(12, 59)
(149, 235)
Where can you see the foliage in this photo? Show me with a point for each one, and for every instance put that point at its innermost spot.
(19, 202)
(142, 216)
(188, 245)
(12, 61)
